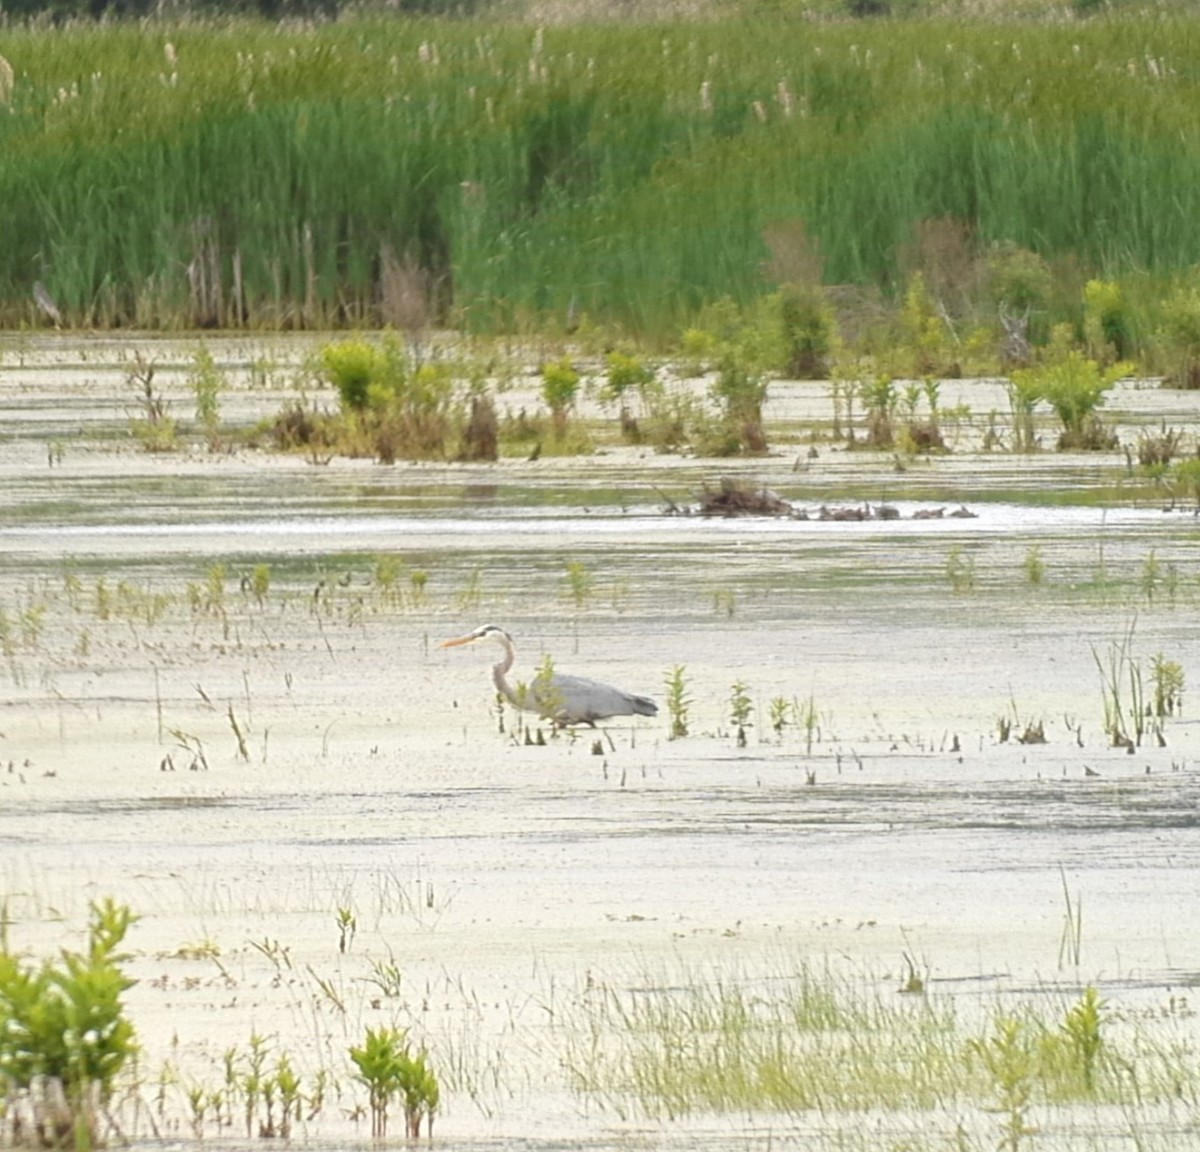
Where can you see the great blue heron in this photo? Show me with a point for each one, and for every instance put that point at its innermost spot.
(558, 698)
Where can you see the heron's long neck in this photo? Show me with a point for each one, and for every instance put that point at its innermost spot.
(500, 672)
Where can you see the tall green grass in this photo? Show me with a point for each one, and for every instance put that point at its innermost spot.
(623, 171)
(820, 1041)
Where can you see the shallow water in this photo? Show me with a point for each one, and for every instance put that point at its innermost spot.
(500, 876)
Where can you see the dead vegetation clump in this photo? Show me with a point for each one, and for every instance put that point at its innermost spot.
(481, 434)
(733, 497)
(301, 429)
(1157, 451)
(736, 498)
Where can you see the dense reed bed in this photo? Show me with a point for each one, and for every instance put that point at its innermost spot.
(499, 176)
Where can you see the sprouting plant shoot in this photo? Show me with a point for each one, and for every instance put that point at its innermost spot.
(741, 709)
(678, 701)
(579, 583)
(392, 1071)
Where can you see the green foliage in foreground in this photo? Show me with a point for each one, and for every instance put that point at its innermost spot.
(492, 175)
(392, 1071)
(64, 1036)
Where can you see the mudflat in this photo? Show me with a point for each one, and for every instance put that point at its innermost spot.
(224, 705)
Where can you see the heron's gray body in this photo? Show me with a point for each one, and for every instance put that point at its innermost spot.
(573, 699)
(561, 699)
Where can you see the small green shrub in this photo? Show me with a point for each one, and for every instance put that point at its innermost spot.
(923, 330)
(560, 389)
(1168, 685)
(579, 583)
(1034, 565)
(391, 1070)
(1179, 337)
(1106, 325)
(624, 372)
(960, 569)
(1009, 1056)
(809, 331)
(678, 701)
(64, 1035)
(208, 382)
(879, 399)
(352, 366)
(741, 710)
(741, 389)
(1075, 387)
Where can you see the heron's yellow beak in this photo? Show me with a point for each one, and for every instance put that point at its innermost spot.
(455, 643)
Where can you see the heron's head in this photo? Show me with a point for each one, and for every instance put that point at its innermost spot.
(485, 632)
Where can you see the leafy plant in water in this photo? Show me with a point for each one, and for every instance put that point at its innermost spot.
(741, 711)
(1168, 685)
(741, 390)
(679, 702)
(809, 721)
(1034, 565)
(725, 602)
(387, 976)
(879, 398)
(923, 330)
(579, 583)
(560, 387)
(64, 1036)
(1082, 1033)
(1179, 336)
(208, 382)
(391, 1070)
(624, 372)
(1009, 1058)
(347, 926)
(1075, 387)
(809, 330)
(1106, 329)
(546, 696)
(352, 366)
(269, 1093)
(960, 569)
(1185, 478)
(260, 583)
(392, 405)
(1024, 393)
(781, 711)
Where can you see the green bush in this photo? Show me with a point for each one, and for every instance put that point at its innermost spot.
(560, 387)
(809, 332)
(352, 367)
(741, 389)
(624, 372)
(64, 1036)
(1179, 336)
(1106, 325)
(1075, 387)
(391, 1070)
(923, 330)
